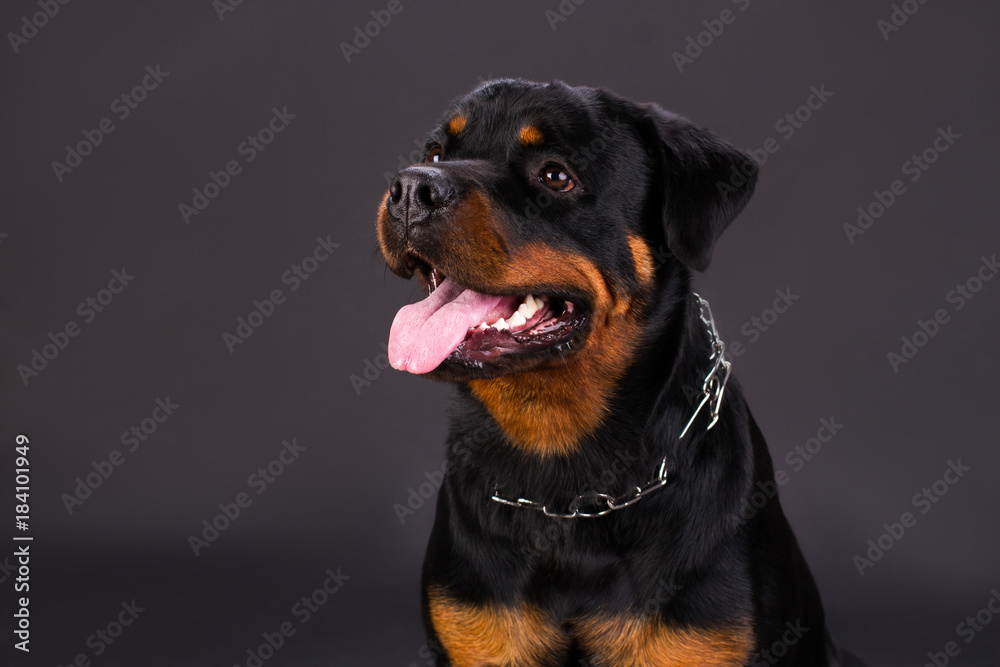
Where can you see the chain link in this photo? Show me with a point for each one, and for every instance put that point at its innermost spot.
(594, 504)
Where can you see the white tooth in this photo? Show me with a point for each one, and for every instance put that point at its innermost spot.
(527, 311)
(517, 319)
(500, 325)
(482, 325)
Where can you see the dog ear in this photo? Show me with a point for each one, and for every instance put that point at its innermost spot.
(707, 182)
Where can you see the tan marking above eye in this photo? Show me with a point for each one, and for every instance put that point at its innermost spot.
(531, 135)
(456, 124)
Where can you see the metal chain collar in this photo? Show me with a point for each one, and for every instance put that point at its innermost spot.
(711, 394)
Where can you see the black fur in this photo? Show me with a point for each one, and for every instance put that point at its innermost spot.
(695, 553)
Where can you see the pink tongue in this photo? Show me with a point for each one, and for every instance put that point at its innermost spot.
(426, 332)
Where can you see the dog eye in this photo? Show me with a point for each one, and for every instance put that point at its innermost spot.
(435, 154)
(556, 177)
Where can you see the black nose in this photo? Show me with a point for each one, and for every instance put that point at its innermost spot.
(417, 192)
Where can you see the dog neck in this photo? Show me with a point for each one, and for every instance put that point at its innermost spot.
(552, 410)
(657, 421)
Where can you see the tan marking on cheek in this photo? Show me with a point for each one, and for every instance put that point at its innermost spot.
(642, 258)
(633, 642)
(547, 410)
(388, 240)
(538, 264)
(381, 224)
(488, 636)
(531, 135)
(470, 243)
(473, 239)
(456, 125)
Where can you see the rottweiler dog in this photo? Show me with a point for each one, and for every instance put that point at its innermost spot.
(609, 499)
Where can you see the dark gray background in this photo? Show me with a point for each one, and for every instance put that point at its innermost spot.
(825, 357)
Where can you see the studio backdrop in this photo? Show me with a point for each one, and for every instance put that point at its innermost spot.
(206, 459)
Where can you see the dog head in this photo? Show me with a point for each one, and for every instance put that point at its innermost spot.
(535, 222)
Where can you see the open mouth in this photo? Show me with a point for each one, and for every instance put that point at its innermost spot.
(475, 329)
